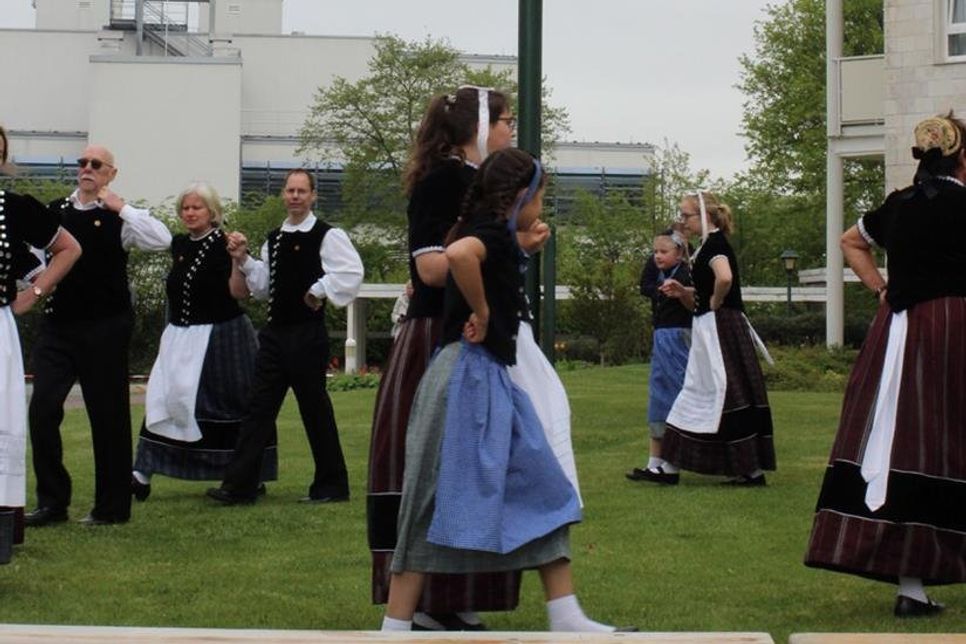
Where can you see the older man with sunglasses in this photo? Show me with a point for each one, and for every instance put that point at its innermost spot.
(85, 336)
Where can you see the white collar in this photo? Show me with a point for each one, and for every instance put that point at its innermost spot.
(75, 202)
(303, 227)
(946, 177)
(207, 234)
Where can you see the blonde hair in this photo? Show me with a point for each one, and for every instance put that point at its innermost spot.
(719, 213)
(207, 194)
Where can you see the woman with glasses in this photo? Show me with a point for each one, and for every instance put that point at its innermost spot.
(198, 389)
(457, 132)
(891, 505)
(720, 422)
(23, 220)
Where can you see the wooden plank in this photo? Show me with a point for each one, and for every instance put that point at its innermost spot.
(40, 634)
(877, 638)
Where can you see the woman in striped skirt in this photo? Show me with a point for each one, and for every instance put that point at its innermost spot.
(720, 422)
(457, 133)
(198, 389)
(891, 505)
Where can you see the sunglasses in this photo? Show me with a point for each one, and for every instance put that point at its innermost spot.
(96, 164)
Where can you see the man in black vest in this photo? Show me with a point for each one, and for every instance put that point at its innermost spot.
(85, 336)
(304, 263)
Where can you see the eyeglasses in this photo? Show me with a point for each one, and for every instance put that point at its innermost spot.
(684, 216)
(511, 121)
(96, 164)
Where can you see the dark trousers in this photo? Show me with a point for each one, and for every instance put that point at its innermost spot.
(95, 353)
(296, 356)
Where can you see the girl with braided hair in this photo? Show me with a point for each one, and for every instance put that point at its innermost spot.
(457, 132)
(483, 490)
(891, 504)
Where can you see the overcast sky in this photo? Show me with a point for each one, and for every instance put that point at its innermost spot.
(626, 70)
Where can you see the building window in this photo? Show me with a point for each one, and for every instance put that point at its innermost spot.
(956, 29)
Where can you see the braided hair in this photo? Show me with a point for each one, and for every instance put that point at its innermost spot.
(495, 188)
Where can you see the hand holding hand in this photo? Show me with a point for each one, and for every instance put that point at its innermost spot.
(237, 245)
(672, 288)
(475, 328)
(110, 200)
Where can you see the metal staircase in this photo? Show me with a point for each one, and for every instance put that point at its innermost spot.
(164, 23)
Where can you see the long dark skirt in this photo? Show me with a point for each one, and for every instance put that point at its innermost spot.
(743, 443)
(920, 531)
(407, 363)
(226, 378)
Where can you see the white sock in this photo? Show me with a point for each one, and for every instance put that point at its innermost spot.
(143, 479)
(470, 618)
(653, 463)
(912, 588)
(390, 624)
(669, 469)
(566, 615)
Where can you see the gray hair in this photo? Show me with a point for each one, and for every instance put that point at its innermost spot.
(207, 194)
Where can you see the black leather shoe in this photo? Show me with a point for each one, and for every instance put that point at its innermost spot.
(909, 607)
(45, 515)
(91, 520)
(226, 497)
(340, 498)
(444, 622)
(746, 481)
(140, 491)
(662, 477)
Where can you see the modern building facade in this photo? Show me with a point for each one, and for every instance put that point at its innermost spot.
(199, 90)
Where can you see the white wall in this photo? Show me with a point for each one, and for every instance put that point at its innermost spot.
(919, 83)
(75, 15)
(168, 123)
(244, 17)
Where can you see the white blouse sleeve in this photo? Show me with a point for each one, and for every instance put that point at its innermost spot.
(256, 274)
(343, 269)
(141, 230)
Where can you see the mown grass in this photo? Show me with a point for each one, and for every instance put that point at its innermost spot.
(696, 557)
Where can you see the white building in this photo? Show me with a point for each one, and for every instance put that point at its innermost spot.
(874, 102)
(204, 90)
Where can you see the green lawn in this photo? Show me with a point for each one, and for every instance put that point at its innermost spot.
(697, 557)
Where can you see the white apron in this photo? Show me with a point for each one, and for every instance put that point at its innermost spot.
(698, 406)
(13, 415)
(878, 448)
(534, 374)
(173, 385)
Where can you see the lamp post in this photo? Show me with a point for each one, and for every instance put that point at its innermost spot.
(789, 261)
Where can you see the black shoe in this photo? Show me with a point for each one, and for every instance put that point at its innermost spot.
(91, 520)
(746, 481)
(227, 497)
(140, 491)
(261, 490)
(660, 476)
(45, 515)
(909, 607)
(443, 622)
(336, 498)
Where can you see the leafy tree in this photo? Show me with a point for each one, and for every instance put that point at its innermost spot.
(601, 255)
(371, 122)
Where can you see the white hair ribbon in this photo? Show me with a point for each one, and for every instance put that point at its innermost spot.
(704, 216)
(483, 125)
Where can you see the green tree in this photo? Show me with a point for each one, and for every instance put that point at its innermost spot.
(370, 123)
(780, 202)
(602, 251)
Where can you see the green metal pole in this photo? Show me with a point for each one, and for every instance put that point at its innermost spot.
(530, 80)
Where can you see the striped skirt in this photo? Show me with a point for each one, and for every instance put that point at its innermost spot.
(920, 531)
(408, 361)
(222, 401)
(743, 443)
